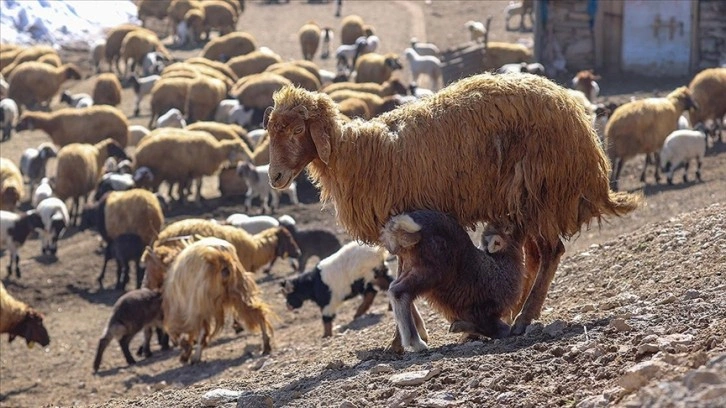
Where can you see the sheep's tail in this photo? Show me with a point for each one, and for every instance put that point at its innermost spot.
(621, 203)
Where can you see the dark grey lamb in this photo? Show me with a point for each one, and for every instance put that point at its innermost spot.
(312, 242)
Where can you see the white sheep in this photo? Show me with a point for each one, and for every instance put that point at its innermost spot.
(256, 136)
(477, 30)
(14, 231)
(3, 87)
(136, 134)
(258, 185)
(142, 87)
(172, 118)
(8, 117)
(231, 111)
(153, 63)
(327, 36)
(54, 214)
(79, 100)
(252, 224)
(43, 191)
(679, 148)
(427, 64)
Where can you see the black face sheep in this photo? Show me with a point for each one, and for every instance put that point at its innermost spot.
(497, 155)
(33, 162)
(135, 310)
(79, 100)
(641, 126)
(14, 230)
(349, 272)
(54, 214)
(19, 319)
(473, 289)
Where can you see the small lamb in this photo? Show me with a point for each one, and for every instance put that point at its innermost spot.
(679, 148)
(258, 183)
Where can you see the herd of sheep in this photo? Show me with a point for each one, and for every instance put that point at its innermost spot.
(371, 144)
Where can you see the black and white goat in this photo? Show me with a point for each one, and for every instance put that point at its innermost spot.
(14, 231)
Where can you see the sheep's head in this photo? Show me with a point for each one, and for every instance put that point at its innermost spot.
(26, 122)
(114, 149)
(682, 97)
(286, 245)
(46, 151)
(65, 97)
(393, 62)
(71, 71)
(31, 328)
(300, 128)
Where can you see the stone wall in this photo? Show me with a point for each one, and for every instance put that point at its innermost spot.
(711, 34)
(569, 23)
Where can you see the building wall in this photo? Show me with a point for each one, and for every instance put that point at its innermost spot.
(711, 32)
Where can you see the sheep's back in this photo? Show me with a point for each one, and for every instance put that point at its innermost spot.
(90, 125)
(37, 78)
(178, 154)
(77, 170)
(708, 91)
(135, 211)
(640, 127)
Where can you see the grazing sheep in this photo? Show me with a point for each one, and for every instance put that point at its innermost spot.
(142, 87)
(98, 49)
(153, 63)
(136, 134)
(133, 311)
(374, 103)
(255, 224)
(12, 187)
(43, 191)
(500, 53)
(218, 15)
(33, 84)
(205, 280)
(107, 90)
(126, 248)
(219, 67)
(166, 94)
(232, 112)
(14, 230)
(641, 126)
(79, 169)
(312, 242)
(254, 62)
(113, 182)
(297, 75)
(204, 95)
(387, 88)
(708, 91)
(86, 125)
(152, 8)
(179, 8)
(79, 100)
(471, 288)
(477, 31)
(679, 148)
(232, 44)
(258, 185)
(428, 65)
(136, 45)
(30, 54)
(54, 214)
(349, 53)
(349, 272)
(223, 131)
(180, 156)
(173, 118)
(8, 117)
(586, 82)
(255, 91)
(19, 319)
(425, 48)
(309, 35)
(114, 41)
(327, 37)
(347, 161)
(376, 68)
(351, 29)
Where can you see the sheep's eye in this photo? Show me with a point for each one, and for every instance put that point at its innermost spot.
(298, 130)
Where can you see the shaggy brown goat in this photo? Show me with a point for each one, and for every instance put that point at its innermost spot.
(471, 288)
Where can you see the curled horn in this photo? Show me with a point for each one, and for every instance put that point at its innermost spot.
(266, 117)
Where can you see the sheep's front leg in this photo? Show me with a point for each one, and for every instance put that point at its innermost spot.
(197, 357)
(368, 297)
(403, 291)
(328, 324)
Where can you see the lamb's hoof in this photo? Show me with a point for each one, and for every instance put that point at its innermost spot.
(685, 179)
(17, 273)
(519, 328)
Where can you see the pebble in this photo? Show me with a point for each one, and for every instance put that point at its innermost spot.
(347, 404)
(381, 368)
(440, 400)
(534, 329)
(639, 375)
(254, 401)
(219, 396)
(588, 308)
(620, 325)
(692, 294)
(696, 378)
(414, 377)
(555, 329)
(647, 348)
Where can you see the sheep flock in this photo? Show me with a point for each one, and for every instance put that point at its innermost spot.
(221, 166)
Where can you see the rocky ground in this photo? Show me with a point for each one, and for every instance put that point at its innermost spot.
(635, 316)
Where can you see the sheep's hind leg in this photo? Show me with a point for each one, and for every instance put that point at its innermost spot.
(698, 169)
(197, 357)
(102, 344)
(550, 253)
(124, 342)
(685, 171)
(402, 300)
(368, 298)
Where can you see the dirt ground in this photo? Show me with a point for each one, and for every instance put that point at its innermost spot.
(635, 315)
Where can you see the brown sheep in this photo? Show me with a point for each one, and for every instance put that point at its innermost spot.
(203, 97)
(355, 108)
(309, 35)
(357, 165)
(168, 93)
(83, 125)
(205, 280)
(584, 81)
(219, 15)
(640, 127)
(137, 44)
(29, 54)
(387, 88)
(222, 131)
(374, 102)
(351, 29)
(12, 187)
(373, 67)
(708, 90)
(107, 90)
(19, 319)
(472, 288)
(255, 91)
(33, 83)
(229, 45)
(114, 39)
(297, 75)
(500, 53)
(252, 63)
(152, 8)
(219, 66)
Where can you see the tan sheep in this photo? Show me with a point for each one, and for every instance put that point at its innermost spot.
(387, 88)
(107, 90)
(500, 53)
(237, 5)
(255, 91)
(136, 211)
(373, 67)
(152, 8)
(80, 166)
(230, 184)
(19, 319)
(137, 44)
(640, 127)
(229, 45)
(30, 54)
(222, 131)
(196, 69)
(34, 83)
(219, 15)
(309, 35)
(179, 8)
(373, 102)
(203, 98)
(547, 186)
(261, 154)
(51, 59)
(168, 93)
(354, 108)
(297, 75)
(12, 187)
(114, 39)
(252, 63)
(708, 91)
(180, 156)
(194, 20)
(84, 125)
(351, 28)
(219, 66)
(310, 66)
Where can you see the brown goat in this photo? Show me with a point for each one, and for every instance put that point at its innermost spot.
(473, 289)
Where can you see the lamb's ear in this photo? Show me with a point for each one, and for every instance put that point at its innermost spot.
(321, 139)
(266, 117)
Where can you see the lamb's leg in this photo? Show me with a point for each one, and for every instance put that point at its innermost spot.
(197, 357)
(698, 169)
(368, 297)
(402, 291)
(328, 325)
(550, 253)
(656, 160)
(420, 325)
(106, 258)
(17, 266)
(269, 267)
(186, 349)
(102, 344)
(685, 171)
(162, 338)
(146, 347)
(199, 190)
(124, 342)
(139, 275)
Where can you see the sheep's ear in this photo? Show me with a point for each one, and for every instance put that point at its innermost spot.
(266, 117)
(321, 139)
(302, 111)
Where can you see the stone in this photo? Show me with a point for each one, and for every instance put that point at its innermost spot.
(440, 400)
(588, 308)
(219, 396)
(692, 294)
(639, 375)
(381, 368)
(620, 325)
(347, 404)
(254, 401)
(710, 393)
(555, 329)
(696, 378)
(414, 377)
(335, 365)
(595, 401)
(647, 348)
(533, 329)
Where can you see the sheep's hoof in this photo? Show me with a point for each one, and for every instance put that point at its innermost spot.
(519, 328)
(670, 181)
(419, 345)
(395, 347)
